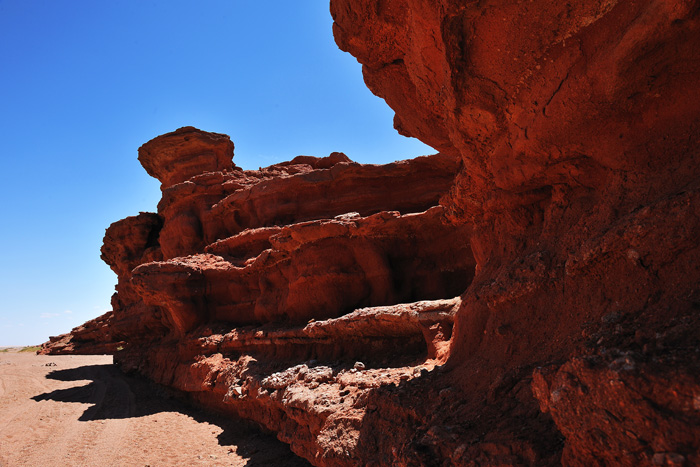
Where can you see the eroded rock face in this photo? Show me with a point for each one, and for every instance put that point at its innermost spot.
(552, 320)
(175, 157)
(287, 295)
(311, 270)
(580, 179)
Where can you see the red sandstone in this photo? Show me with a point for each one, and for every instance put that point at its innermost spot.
(541, 308)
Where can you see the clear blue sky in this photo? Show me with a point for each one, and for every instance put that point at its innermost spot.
(84, 83)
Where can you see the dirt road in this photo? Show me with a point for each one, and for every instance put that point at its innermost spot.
(82, 411)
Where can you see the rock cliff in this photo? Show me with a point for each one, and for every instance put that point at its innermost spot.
(578, 126)
(540, 308)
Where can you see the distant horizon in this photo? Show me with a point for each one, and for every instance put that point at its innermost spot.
(86, 85)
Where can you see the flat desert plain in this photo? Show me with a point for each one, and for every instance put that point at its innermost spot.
(82, 411)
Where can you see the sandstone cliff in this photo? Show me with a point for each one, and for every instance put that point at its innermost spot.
(540, 308)
(578, 127)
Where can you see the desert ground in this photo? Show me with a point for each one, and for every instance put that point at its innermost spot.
(83, 411)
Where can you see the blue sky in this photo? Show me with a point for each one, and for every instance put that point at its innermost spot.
(83, 84)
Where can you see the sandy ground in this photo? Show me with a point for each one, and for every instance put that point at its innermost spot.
(82, 411)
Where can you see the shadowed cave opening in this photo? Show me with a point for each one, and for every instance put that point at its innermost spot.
(374, 352)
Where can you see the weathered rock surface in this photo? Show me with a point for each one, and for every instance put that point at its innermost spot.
(552, 320)
(311, 270)
(178, 156)
(579, 141)
(286, 295)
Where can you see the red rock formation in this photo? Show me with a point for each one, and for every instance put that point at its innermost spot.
(178, 156)
(317, 296)
(92, 338)
(311, 270)
(250, 284)
(578, 126)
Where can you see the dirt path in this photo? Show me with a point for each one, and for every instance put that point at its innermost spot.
(82, 411)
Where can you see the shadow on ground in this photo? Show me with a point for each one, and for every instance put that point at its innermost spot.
(114, 395)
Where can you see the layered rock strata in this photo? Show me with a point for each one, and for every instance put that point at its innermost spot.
(320, 277)
(574, 128)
